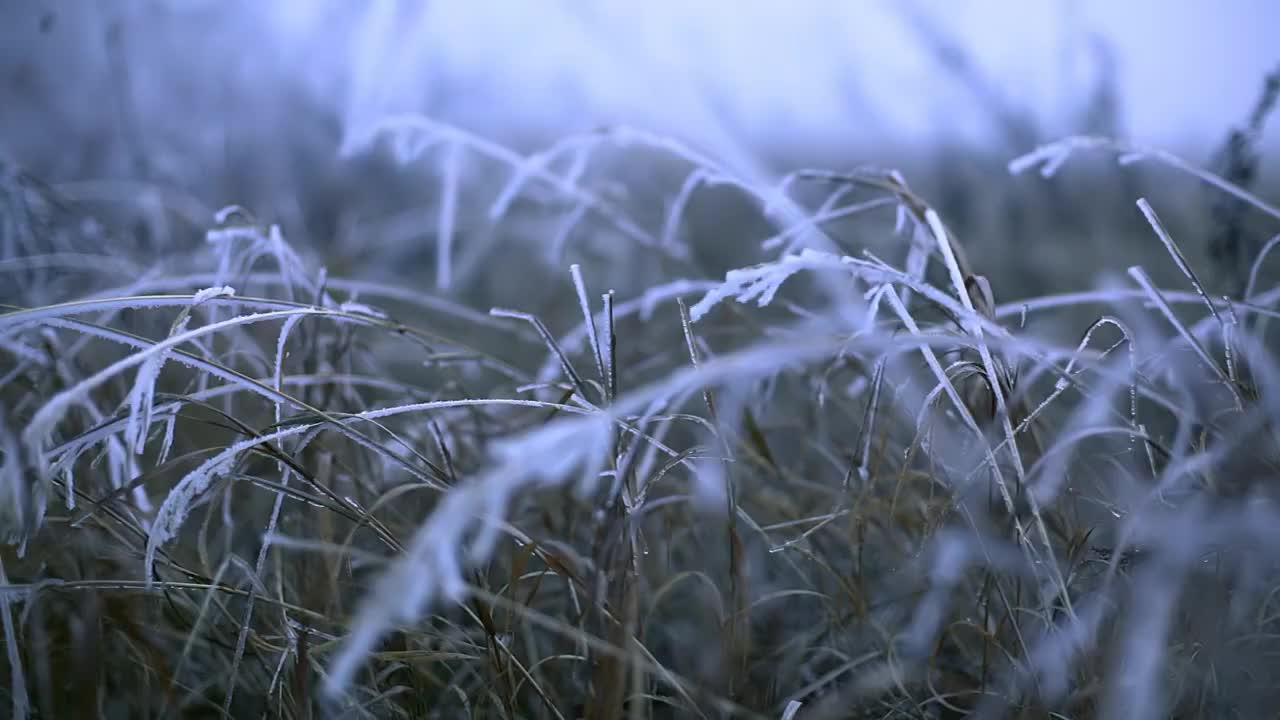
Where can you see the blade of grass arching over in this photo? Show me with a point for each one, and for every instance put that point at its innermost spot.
(1050, 158)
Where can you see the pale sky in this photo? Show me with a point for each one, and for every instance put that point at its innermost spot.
(825, 71)
(721, 74)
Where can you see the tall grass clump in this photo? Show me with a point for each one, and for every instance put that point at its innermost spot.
(575, 469)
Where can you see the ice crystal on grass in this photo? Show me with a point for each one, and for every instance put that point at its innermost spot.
(142, 396)
(762, 282)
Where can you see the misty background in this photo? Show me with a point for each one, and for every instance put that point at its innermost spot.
(163, 111)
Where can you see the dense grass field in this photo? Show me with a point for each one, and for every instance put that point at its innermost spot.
(606, 430)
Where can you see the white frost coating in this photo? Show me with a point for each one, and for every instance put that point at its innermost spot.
(212, 292)
(224, 214)
(568, 447)
(166, 445)
(538, 166)
(1140, 275)
(48, 416)
(942, 237)
(177, 504)
(48, 313)
(580, 286)
(917, 260)
(292, 269)
(643, 307)
(278, 378)
(173, 512)
(762, 282)
(1051, 156)
(142, 395)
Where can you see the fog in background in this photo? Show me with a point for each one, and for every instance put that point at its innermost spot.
(197, 104)
(745, 75)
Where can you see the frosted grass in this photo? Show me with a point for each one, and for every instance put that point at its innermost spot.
(913, 459)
